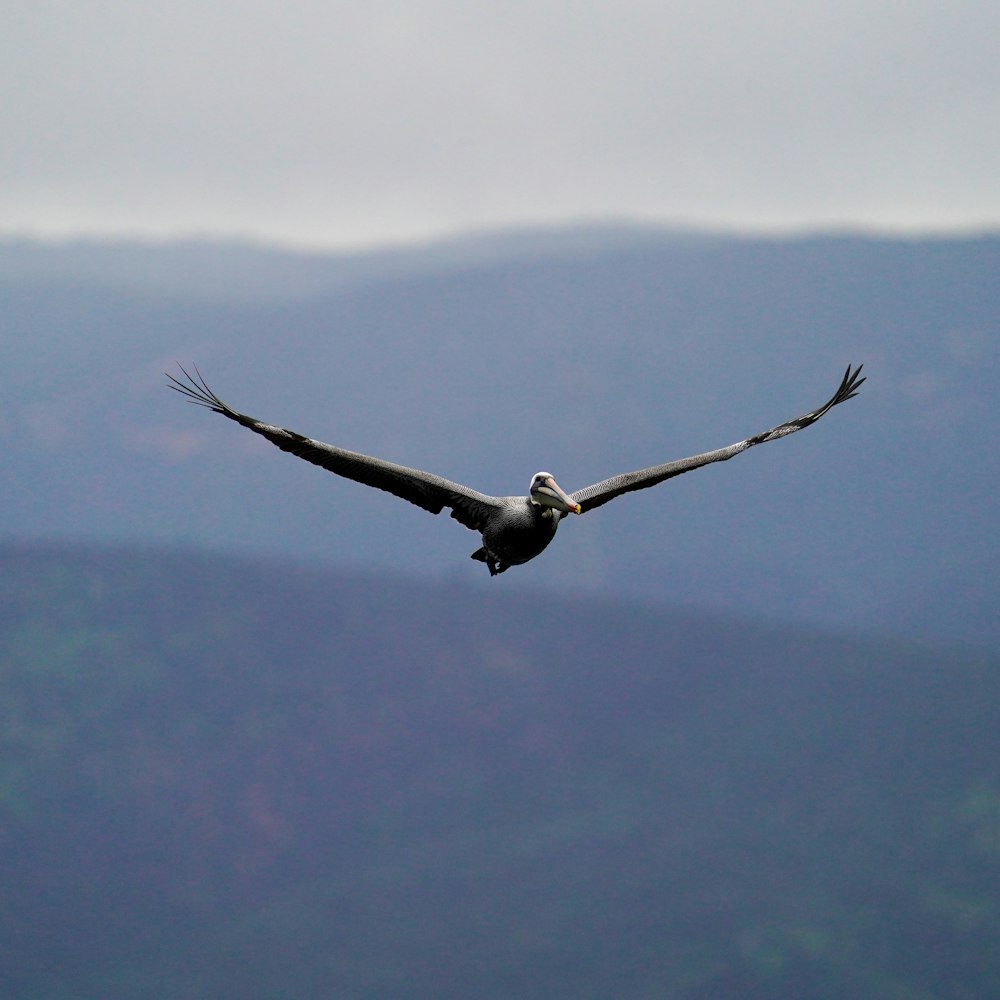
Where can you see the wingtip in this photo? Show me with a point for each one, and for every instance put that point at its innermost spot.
(851, 383)
(195, 389)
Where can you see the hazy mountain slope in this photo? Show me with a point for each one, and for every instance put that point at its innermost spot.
(241, 779)
(616, 356)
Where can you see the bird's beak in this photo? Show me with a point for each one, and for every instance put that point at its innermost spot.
(551, 494)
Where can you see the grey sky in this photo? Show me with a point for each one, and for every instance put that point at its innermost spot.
(343, 123)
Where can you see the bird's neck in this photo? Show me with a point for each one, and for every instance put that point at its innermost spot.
(540, 510)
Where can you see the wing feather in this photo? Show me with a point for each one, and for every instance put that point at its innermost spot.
(594, 496)
(424, 489)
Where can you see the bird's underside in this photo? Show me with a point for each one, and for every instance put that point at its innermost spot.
(514, 529)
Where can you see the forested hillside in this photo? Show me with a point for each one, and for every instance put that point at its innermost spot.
(246, 779)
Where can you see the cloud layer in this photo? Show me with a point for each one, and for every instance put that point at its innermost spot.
(341, 123)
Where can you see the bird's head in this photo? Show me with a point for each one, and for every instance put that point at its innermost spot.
(546, 492)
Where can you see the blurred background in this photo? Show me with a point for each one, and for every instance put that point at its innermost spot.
(267, 732)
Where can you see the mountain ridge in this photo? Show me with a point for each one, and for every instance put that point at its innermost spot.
(586, 364)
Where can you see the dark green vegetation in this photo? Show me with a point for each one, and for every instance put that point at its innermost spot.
(239, 779)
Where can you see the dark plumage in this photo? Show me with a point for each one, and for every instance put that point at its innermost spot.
(514, 529)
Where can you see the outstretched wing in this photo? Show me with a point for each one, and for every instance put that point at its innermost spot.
(600, 493)
(424, 489)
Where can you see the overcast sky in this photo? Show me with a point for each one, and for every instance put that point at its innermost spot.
(367, 122)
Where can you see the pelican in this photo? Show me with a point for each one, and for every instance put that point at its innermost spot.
(514, 529)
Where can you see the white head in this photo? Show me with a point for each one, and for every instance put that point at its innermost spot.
(546, 492)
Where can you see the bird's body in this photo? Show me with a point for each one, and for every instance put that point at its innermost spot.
(514, 529)
(516, 532)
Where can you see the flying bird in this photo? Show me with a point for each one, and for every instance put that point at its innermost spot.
(514, 529)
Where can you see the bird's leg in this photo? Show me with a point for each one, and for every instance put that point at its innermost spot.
(493, 564)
